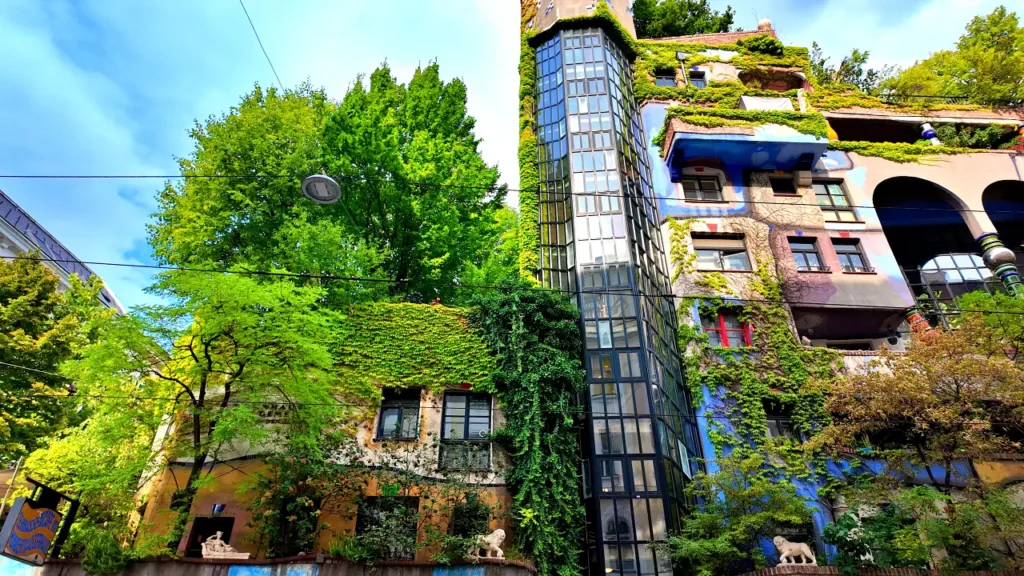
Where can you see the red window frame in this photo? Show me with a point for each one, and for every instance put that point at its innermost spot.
(744, 333)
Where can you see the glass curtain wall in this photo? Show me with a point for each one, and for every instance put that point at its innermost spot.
(600, 240)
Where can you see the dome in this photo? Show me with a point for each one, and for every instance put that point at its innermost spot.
(764, 24)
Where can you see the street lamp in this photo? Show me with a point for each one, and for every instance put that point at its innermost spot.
(321, 189)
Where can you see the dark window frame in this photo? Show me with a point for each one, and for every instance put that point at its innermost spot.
(468, 449)
(721, 251)
(800, 256)
(401, 400)
(786, 181)
(831, 206)
(745, 333)
(703, 195)
(665, 80)
(853, 248)
(697, 78)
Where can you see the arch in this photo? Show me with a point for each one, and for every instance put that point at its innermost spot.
(922, 220)
(1004, 203)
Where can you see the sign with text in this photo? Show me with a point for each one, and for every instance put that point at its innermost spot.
(29, 531)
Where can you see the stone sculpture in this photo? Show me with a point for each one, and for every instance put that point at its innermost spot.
(489, 543)
(215, 547)
(789, 551)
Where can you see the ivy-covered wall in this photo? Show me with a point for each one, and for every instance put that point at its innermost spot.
(413, 345)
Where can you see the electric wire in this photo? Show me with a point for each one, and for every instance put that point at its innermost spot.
(330, 277)
(501, 188)
(267, 56)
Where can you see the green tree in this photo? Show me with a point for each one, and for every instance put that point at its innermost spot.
(987, 64)
(503, 259)
(413, 182)
(417, 206)
(251, 212)
(850, 71)
(40, 327)
(739, 506)
(224, 348)
(661, 18)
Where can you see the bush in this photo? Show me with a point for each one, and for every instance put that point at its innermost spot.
(103, 553)
(763, 44)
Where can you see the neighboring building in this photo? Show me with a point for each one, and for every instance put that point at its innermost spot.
(19, 234)
(599, 240)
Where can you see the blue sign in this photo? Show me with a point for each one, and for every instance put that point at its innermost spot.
(28, 532)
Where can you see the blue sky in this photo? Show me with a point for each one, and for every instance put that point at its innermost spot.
(111, 86)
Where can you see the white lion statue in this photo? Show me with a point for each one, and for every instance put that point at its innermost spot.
(790, 551)
(488, 543)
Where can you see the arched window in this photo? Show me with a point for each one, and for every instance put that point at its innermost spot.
(956, 269)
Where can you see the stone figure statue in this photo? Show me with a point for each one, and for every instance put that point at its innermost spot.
(216, 547)
(488, 543)
(789, 551)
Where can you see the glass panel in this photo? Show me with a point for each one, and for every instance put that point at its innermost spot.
(626, 398)
(454, 427)
(640, 520)
(612, 564)
(708, 260)
(638, 476)
(614, 437)
(646, 558)
(612, 479)
(640, 395)
(732, 321)
(646, 435)
(410, 423)
(609, 521)
(623, 519)
(597, 398)
(632, 440)
(628, 560)
(479, 428)
(652, 483)
(389, 422)
(847, 216)
(714, 338)
(658, 529)
(737, 261)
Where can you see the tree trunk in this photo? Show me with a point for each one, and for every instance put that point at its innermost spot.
(181, 502)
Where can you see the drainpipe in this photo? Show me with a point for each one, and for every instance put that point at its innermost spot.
(1002, 262)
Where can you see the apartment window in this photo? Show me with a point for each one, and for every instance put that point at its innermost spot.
(834, 204)
(806, 256)
(851, 258)
(702, 188)
(665, 81)
(465, 432)
(721, 253)
(698, 78)
(399, 415)
(394, 518)
(726, 330)
(782, 185)
(958, 268)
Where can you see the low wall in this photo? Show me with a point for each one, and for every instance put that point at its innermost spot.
(298, 566)
(797, 570)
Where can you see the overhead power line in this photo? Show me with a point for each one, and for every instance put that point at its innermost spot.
(456, 285)
(495, 188)
(267, 56)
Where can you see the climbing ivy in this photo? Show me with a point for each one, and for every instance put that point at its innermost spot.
(412, 345)
(529, 173)
(536, 339)
(774, 369)
(899, 151)
(807, 123)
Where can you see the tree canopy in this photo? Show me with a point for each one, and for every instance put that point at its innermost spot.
(40, 327)
(418, 205)
(986, 66)
(661, 18)
(851, 70)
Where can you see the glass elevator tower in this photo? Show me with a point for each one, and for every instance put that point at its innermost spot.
(601, 241)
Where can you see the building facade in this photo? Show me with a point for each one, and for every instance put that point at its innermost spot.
(20, 234)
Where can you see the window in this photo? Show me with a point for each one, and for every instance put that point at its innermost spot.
(665, 81)
(850, 256)
(702, 188)
(399, 415)
(391, 519)
(958, 268)
(465, 432)
(834, 205)
(780, 421)
(720, 253)
(727, 331)
(782, 185)
(805, 253)
(697, 79)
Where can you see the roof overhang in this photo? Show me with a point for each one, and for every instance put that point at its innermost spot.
(764, 147)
